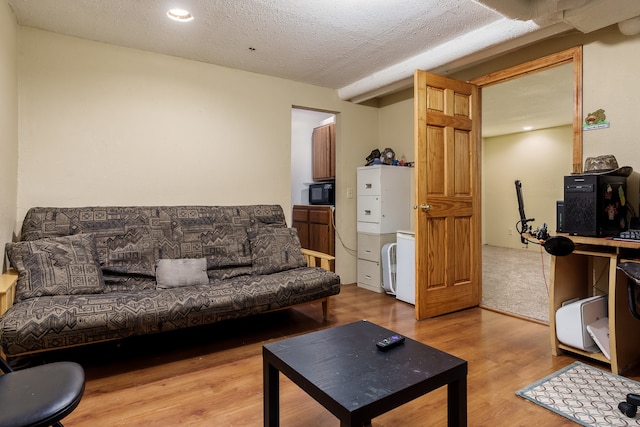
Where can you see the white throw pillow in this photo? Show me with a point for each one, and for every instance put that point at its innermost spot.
(173, 273)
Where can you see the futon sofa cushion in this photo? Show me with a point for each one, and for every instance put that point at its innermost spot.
(275, 249)
(67, 320)
(66, 265)
(130, 239)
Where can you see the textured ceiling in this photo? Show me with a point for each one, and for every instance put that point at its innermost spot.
(328, 43)
(362, 48)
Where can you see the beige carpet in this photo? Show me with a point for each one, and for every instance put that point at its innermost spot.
(513, 280)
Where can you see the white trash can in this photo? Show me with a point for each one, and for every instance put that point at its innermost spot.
(406, 266)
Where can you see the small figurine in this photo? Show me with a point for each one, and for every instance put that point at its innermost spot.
(388, 156)
(596, 117)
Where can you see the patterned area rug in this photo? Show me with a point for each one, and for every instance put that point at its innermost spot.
(585, 395)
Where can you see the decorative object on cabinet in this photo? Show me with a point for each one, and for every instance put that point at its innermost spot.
(384, 207)
(315, 227)
(324, 152)
(388, 156)
(373, 156)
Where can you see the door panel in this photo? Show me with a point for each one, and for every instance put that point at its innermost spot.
(448, 230)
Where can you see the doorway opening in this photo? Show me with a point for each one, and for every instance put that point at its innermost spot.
(303, 122)
(550, 90)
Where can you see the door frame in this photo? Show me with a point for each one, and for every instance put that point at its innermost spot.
(568, 56)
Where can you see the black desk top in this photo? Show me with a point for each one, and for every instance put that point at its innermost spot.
(343, 369)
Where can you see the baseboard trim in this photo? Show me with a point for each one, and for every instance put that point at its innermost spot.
(517, 316)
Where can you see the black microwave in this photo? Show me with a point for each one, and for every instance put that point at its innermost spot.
(322, 193)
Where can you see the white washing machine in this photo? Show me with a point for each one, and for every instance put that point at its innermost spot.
(406, 266)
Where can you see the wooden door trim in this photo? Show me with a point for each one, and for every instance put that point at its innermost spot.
(572, 55)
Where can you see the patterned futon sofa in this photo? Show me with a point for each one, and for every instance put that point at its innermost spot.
(93, 274)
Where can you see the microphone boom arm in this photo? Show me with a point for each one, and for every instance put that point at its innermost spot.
(525, 228)
(556, 245)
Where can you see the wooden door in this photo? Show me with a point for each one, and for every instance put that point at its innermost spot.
(447, 195)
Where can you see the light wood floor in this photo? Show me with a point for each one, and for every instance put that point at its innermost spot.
(213, 376)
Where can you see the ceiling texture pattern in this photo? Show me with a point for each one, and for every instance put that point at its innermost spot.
(361, 48)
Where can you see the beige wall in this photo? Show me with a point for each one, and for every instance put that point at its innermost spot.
(396, 132)
(543, 159)
(106, 125)
(611, 82)
(8, 125)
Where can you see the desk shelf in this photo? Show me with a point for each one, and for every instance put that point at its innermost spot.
(573, 276)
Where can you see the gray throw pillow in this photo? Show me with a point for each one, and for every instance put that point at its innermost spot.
(65, 265)
(173, 273)
(275, 249)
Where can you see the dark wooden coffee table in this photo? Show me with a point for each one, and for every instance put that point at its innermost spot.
(345, 372)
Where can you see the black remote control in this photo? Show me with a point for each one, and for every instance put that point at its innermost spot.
(390, 342)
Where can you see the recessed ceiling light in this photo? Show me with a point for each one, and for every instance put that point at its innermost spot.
(527, 128)
(180, 15)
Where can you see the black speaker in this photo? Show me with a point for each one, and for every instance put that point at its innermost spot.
(560, 216)
(595, 205)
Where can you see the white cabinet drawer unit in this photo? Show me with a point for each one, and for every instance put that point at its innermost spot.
(383, 207)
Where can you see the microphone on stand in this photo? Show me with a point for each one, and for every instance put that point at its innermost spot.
(559, 245)
(554, 245)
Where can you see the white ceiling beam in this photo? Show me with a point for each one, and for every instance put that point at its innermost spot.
(496, 35)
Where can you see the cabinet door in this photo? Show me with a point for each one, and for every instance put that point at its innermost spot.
(319, 238)
(324, 159)
(315, 228)
(300, 221)
(303, 233)
(321, 229)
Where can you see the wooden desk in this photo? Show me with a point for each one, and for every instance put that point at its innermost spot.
(574, 276)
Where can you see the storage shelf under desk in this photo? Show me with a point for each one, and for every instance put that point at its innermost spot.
(596, 356)
(572, 277)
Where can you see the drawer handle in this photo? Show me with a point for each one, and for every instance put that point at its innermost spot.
(367, 212)
(366, 276)
(368, 186)
(368, 251)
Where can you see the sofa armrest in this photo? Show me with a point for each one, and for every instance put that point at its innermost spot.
(319, 259)
(8, 283)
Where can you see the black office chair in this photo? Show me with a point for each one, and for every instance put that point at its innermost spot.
(632, 271)
(39, 396)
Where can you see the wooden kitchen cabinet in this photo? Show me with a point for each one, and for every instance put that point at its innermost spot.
(324, 152)
(315, 227)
